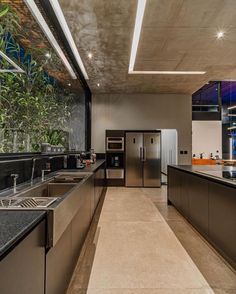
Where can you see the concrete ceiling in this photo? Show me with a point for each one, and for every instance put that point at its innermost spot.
(176, 35)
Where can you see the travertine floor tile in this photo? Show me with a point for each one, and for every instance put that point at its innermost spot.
(137, 253)
(128, 206)
(156, 194)
(150, 291)
(209, 262)
(142, 255)
(168, 212)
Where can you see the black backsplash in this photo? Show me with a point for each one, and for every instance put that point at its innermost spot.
(23, 167)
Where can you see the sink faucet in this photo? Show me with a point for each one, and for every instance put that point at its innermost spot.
(33, 168)
(15, 177)
(43, 174)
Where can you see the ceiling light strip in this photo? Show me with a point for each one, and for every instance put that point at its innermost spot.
(135, 42)
(156, 72)
(44, 26)
(137, 32)
(232, 107)
(60, 17)
(232, 128)
(16, 67)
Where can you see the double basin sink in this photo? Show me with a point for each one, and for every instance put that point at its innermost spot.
(44, 194)
(59, 196)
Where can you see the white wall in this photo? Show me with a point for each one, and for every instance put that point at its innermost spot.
(143, 112)
(206, 137)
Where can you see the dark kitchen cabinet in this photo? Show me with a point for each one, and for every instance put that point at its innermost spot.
(209, 206)
(198, 203)
(22, 270)
(174, 186)
(178, 190)
(184, 195)
(59, 267)
(222, 218)
(99, 182)
(62, 258)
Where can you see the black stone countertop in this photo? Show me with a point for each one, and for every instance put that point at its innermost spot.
(207, 169)
(14, 225)
(93, 167)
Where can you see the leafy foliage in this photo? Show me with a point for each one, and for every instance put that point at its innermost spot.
(29, 104)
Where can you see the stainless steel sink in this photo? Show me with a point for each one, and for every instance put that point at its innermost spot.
(69, 177)
(61, 196)
(32, 202)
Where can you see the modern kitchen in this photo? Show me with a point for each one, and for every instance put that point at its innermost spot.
(117, 147)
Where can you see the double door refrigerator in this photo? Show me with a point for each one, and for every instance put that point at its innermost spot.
(143, 159)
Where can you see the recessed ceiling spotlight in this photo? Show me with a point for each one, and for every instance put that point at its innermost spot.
(48, 55)
(98, 84)
(220, 35)
(90, 55)
(69, 84)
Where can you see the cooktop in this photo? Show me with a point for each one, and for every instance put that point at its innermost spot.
(224, 174)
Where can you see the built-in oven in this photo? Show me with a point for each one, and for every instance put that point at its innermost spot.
(115, 144)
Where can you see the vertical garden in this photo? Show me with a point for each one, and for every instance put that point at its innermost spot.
(34, 107)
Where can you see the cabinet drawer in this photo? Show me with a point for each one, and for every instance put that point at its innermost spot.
(114, 173)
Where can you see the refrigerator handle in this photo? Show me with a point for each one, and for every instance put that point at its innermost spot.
(141, 154)
(144, 154)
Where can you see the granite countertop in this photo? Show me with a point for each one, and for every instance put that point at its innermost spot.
(14, 225)
(207, 171)
(93, 167)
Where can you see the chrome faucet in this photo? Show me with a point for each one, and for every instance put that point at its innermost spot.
(43, 174)
(15, 177)
(32, 171)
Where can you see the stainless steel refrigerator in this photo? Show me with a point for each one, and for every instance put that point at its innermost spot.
(143, 159)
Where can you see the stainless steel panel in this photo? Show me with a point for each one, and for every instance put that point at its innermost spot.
(152, 160)
(134, 157)
(115, 144)
(115, 173)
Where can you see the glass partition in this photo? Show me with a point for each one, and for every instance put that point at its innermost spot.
(39, 103)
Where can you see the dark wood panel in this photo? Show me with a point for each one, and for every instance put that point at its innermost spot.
(222, 218)
(174, 186)
(184, 195)
(198, 203)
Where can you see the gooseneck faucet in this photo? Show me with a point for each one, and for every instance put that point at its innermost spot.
(15, 177)
(33, 168)
(43, 174)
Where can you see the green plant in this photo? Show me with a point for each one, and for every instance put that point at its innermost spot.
(29, 104)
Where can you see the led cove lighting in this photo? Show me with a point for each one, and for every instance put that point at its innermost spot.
(232, 107)
(136, 37)
(16, 67)
(232, 128)
(137, 32)
(44, 26)
(158, 72)
(60, 16)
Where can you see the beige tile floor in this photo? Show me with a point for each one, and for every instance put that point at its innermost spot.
(136, 250)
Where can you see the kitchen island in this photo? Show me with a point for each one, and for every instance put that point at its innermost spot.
(206, 197)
